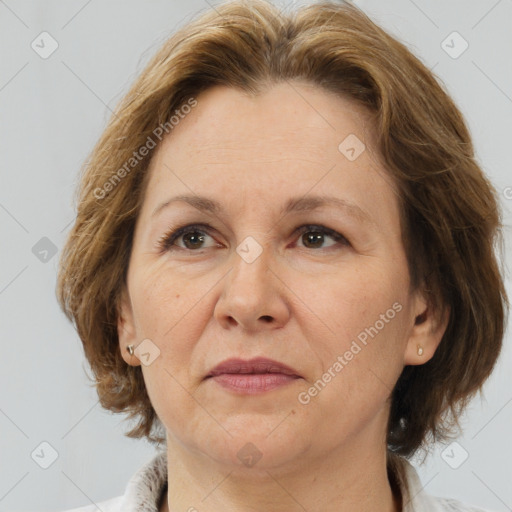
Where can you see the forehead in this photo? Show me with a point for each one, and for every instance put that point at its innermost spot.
(285, 115)
(290, 139)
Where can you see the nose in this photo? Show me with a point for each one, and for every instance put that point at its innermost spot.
(253, 295)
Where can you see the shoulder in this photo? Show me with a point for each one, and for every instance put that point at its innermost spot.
(451, 505)
(110, 505)
(142, 491)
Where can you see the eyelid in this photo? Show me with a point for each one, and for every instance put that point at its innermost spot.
(322, 229)
(167, 240)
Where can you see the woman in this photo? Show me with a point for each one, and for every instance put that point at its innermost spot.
(282, 265)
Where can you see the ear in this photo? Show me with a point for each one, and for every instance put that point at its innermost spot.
(126, 330)
(428, 328)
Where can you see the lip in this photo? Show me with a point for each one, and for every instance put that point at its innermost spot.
(252, 376)
(257, 365)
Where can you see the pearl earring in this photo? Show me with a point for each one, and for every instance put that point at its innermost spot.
(420, 350)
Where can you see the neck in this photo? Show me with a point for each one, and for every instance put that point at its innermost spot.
(346, 479)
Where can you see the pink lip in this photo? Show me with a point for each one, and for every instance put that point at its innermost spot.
(253, 376)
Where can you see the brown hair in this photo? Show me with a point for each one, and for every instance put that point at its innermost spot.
(449, 212)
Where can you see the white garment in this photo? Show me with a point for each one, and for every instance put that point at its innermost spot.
(143, 492)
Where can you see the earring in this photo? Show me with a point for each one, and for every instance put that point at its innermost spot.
(130, 349)
(420, 350)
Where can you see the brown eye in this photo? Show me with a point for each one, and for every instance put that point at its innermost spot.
(313, 237)
(193, 238)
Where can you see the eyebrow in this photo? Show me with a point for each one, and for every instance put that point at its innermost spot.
(298, 204)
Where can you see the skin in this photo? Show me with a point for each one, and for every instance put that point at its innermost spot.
(300, 302)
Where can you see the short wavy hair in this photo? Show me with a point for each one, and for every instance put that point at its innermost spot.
(449, 214)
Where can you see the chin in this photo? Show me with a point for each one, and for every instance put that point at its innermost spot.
(256, 443)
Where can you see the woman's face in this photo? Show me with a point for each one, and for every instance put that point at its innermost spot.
(301, 262)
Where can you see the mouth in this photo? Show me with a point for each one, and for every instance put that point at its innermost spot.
(252, 376)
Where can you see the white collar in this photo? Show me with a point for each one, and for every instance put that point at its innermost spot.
(414, 497)
(145, 488)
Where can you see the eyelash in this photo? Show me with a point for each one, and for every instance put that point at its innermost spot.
(166, 242)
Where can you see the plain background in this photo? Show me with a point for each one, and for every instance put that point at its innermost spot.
(53, 110)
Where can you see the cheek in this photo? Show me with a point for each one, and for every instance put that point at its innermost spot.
(364, 311)
(354, 299)
(166, 312)
(173, 312)
(160, 301)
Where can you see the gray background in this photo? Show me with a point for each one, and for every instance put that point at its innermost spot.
(53, 110)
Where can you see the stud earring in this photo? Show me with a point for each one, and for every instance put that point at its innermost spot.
(130, 349)
(420, 350)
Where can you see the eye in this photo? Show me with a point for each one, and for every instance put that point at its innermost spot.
(313, 236)
(193, 237)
